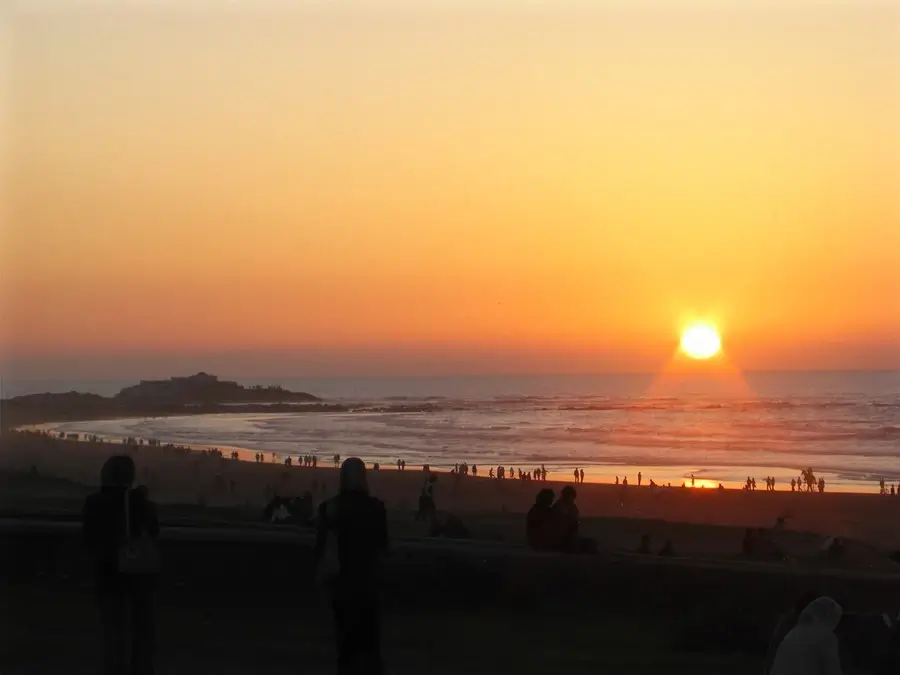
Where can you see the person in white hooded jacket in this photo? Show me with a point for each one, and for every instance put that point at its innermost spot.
(811, 647)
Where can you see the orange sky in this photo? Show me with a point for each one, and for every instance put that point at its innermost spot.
(493, 189)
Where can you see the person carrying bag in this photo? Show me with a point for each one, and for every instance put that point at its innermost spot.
(126, 562)
(350, 541)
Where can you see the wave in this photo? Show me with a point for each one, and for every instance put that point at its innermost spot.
(850, 435)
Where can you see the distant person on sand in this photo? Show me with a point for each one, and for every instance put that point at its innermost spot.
(350, 541)
(811, 647)
(640, 478)
(581, 474)
(120, 529)
(540, 525)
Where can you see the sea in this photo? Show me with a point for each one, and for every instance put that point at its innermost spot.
(843, 425)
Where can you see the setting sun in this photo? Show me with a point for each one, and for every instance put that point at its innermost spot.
(701, 341)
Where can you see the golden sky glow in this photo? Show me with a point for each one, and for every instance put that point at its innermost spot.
(551, 188)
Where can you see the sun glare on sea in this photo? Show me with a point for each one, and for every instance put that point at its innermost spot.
(701, 341)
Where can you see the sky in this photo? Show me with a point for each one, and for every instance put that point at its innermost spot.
(374, 187)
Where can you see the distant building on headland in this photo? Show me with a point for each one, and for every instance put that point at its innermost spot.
(205, 388)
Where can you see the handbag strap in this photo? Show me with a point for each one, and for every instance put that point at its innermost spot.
(127, 515)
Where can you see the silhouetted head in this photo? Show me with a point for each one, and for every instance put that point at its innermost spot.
(118, 472)
(544, 498)
(822, 612)
(568, 494)
(353, 476)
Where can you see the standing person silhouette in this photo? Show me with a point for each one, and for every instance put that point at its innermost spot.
(350, 540)
(112, 518)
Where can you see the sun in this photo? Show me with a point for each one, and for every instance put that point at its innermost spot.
(701, 341)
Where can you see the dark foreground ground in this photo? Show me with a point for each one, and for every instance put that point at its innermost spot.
(238, 602)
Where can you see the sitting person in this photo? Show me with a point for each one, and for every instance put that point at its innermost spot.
(540, 525)
(449, 526)
(302, 509)
(668, 549)
(566, 520)
(766, 548)
(276, 511)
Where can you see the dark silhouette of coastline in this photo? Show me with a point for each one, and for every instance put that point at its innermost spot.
(199, 394)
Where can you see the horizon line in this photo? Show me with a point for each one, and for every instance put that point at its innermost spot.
(763, 371)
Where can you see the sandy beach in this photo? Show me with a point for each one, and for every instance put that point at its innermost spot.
(700, 522)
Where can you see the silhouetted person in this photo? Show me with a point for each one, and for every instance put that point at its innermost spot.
(748, 545)
(581, 474)
(350, 540)
(120, 528)
(427, 507)
(565, 514)
(811, 647)
(449, 526)
(785, 624)
(644, 548)
(540, 524)
(640, 478)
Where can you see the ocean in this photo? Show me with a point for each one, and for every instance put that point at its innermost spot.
(844, 425)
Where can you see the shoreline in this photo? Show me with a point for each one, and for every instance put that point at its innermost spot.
(598, 473)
